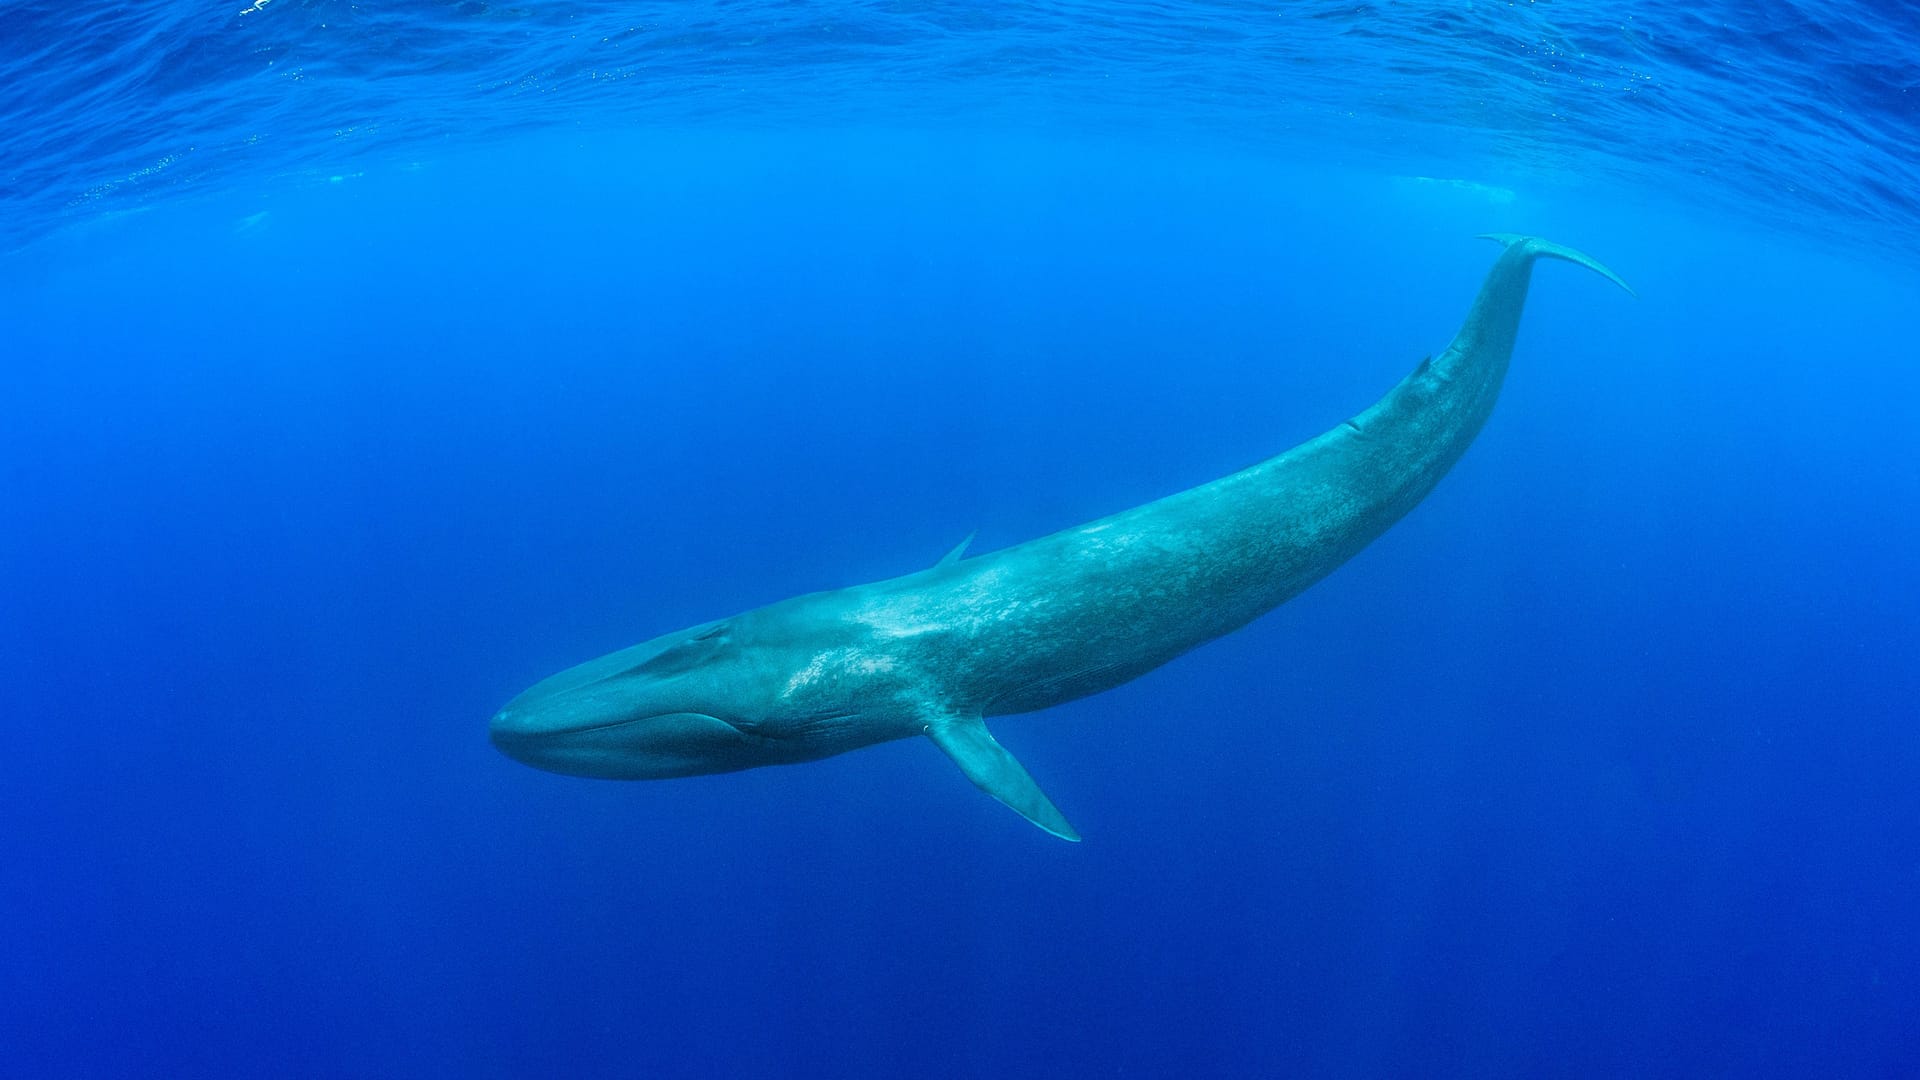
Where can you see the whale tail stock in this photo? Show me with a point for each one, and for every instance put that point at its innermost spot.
(1533, 245)
(1486, 336)
(1404, 443)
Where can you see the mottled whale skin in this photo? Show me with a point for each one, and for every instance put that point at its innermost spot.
(937, 652)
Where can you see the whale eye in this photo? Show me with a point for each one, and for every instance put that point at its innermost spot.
(687, 653)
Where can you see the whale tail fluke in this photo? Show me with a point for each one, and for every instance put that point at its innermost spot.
(1536, 246)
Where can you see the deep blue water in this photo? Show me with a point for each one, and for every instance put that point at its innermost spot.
(367, 364)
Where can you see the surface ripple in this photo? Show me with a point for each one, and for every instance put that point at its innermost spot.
(1800, 113)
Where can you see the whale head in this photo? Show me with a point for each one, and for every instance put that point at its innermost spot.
(718, 697)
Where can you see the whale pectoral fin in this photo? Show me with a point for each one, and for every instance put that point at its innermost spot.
(959, 551)
(996, 772)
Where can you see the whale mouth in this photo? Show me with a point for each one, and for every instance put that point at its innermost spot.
(614, 725)
(652, 747)
(521, 726)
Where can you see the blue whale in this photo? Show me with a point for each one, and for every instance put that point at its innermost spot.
(936, 653)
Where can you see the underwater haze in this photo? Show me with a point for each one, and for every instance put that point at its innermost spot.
(366, 364)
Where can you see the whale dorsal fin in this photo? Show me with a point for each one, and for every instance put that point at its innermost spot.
(996, 772)
(959, 551)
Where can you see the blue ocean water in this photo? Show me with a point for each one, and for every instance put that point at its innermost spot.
(366, 364)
